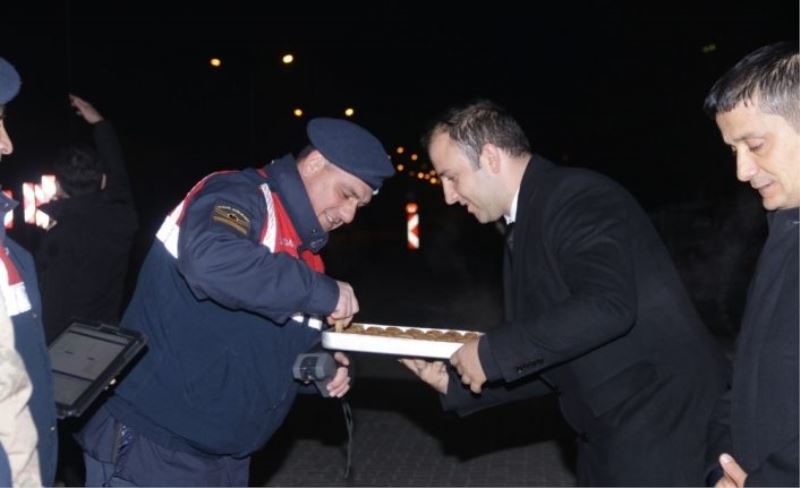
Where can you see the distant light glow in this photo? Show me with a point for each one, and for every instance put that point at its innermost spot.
(709, 48)
(348, 112)
(215, 62)
(287, 59)
(414, 157)
(400, 149)
(34, 195)
(48, 188)
(400, 167)
(8, 220)
(412, 225)
(298, 112)
(42, 219)
(28, 203)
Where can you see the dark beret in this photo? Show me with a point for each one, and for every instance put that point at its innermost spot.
(9, 82)
(352, 148)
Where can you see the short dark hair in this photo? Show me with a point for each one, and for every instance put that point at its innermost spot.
(477, 123)
(769, 75)
(78, 170)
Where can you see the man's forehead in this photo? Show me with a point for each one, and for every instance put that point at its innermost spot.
(444, 148)
(744, 122)
(739, 121)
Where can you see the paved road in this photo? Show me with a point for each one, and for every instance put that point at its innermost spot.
(402, 438)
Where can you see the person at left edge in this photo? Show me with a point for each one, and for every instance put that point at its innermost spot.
(225, 297)
(20, 292)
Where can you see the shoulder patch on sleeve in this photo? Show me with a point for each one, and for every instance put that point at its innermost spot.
(232, 217)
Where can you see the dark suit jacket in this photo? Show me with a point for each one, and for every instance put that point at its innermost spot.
(595, 308)
(757, 420)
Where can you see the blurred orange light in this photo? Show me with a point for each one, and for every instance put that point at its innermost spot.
(215, 62)
(298, 112)
(400, 149)
(411, 208)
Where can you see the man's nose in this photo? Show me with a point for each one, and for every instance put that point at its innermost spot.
(349, 212)
(745, 167)
(450, 195)
(6, 146)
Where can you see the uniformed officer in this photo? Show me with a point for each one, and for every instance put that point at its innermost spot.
(227, 297)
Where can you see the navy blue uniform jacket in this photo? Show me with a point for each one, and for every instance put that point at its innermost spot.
(217, 376)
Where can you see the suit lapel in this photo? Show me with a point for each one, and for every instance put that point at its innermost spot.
(513, 261)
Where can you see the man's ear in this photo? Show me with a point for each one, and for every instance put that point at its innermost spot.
(490, 157)
(312, 164)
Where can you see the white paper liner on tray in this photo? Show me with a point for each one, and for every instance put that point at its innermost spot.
(398, 346)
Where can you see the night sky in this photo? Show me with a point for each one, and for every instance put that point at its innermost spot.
(614, 86)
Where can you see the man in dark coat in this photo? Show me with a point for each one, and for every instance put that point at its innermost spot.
(754, 433)
(595, 310)
(83, 258)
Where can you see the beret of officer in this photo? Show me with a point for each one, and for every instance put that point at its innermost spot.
(9, 82)
(351, 148)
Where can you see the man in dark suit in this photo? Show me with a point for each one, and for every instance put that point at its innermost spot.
(595, 310)
(754, 433)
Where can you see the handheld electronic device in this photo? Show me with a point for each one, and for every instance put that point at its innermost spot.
(85, 360)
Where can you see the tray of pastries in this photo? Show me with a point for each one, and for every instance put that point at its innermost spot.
(397, 340)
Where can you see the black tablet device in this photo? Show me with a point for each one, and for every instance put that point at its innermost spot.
(85, 358)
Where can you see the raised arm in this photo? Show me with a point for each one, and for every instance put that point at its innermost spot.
(117, 183)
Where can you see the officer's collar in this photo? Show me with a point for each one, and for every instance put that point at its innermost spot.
(784, 217)
(285, 179)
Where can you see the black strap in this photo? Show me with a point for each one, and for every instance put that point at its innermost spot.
(348, 420)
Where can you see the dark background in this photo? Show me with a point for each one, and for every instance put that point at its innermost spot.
(613, 86)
